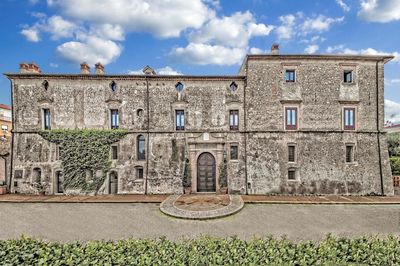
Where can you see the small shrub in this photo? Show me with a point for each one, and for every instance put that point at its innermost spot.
(395, 165)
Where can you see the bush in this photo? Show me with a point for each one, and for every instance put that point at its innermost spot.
(394, 144)
(204, 250)
(395, 165)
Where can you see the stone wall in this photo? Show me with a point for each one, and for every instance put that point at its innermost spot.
(147, 107)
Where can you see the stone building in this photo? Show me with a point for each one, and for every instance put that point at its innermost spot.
(286, 124)
(5, 120)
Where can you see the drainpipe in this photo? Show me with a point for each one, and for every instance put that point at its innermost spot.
(377, 126)
(245, 127)
(12, 137)
(148, 135)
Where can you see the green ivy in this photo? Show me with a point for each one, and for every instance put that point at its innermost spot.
(204, 250)
(82, 151)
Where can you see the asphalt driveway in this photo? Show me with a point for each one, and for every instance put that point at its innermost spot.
(87, 221)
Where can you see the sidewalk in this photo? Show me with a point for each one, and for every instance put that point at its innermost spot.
(160, 198)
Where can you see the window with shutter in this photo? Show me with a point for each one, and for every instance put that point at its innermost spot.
(180, 120)
(234, 119)
(349, 118)
(291, 118)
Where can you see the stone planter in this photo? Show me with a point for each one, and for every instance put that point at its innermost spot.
(3, 190)
(187, 190)
(223, 190)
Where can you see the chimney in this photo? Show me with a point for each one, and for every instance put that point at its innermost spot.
(99, 69)
(26, 68)
(275, 49)
(85, 68)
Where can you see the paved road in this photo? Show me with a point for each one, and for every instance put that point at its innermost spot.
(84, 221)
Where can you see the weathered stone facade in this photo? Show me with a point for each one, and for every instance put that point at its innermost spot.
(147, 103)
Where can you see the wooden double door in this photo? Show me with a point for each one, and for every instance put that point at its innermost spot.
(206, 173)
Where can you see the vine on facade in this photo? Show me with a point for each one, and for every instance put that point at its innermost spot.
(81, 151)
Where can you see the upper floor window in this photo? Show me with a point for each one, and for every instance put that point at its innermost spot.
(4, 127)
(45, 84)
(179, 86)
(349, 153)
(291, 118)
(141, 152)
(114, 152)
(46, 119)
(139, 172)
(290, 76)
(234, 119)
(348, 76)
(234, 152)
(291, 153)
(114, 119)
(179, 119)
(349, 118)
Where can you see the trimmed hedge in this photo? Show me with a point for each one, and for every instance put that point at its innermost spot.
(204, 250)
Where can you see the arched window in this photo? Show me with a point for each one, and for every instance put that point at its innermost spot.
(139, 112)
(179, 87)
(59, 182)
(113, 86)
(233, 86)
(141, 154)
(45, 84)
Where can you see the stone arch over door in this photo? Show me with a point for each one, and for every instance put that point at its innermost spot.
(206, 173)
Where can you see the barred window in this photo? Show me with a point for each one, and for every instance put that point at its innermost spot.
(291, 153)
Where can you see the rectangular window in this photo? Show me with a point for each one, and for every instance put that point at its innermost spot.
(349, 153)
(349, 118)
(58, 150)
(291, 118)
(348, 76)
(180, 120)
(4, 127)
(114, 119)
(291, 153)
(234, 152)
(291, 174)
(46, 119)
(290, 76)
(139, 173)
(114, 152)
(234, 119)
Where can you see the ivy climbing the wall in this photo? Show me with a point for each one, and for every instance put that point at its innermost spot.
(83, 151)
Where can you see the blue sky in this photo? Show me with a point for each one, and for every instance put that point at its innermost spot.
(193, 36)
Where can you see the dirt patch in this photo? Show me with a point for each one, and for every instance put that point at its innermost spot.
(202, 202)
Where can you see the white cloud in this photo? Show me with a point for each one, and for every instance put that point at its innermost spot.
(108, 31)
(294, 25)
(204, 54)
(343, 5)
(158, 17)
(380, 10)
(392, 111)
(319, 24)
(311, 49)
(255, 50)
(31, 34)
(286, 30)
(59, 28)
(167, 70)
(91, 50)
(53, 65)
(232, 31)
(341, 49)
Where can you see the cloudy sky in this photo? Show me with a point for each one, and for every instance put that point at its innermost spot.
(193, 36)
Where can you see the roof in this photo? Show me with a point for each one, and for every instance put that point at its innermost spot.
(3, 106)
(346, 57)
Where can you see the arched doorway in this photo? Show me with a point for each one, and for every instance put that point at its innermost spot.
(206, 173)
(113, 184)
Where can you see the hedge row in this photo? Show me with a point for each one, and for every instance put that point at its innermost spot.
(395, 165)
(204, 251)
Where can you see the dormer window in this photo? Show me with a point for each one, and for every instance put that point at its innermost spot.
(179, 87)
(113, 86)
(233, 86)
(45, 85)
